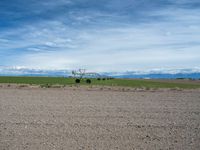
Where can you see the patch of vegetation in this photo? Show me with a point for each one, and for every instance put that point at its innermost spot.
(23, 86)
(77, 80)
(45, 85)
(88, 81)
(47, 82)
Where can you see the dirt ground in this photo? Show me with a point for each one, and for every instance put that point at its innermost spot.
(83, 119)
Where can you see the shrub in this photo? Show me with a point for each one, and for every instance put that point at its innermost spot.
(45, 85)
(77, 80)
(88, 81)
(22, 86)
(147, 88)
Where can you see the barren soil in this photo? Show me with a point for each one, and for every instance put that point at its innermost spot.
(78, 119)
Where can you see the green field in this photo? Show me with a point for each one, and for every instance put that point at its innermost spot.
(48, 81)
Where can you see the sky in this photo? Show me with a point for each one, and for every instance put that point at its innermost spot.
(100, 35)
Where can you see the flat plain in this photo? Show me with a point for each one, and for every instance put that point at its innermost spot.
(34, 118)
(134, 83)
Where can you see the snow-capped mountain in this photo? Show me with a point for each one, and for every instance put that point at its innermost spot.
(153, 73)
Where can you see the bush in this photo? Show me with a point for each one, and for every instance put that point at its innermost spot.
(45, 85)
(147, 88)
(77, 80)
(99, 79)
(88, 81)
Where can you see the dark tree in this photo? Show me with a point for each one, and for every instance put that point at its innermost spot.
(88, 81)
(77, 80)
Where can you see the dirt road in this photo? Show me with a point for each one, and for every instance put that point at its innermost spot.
(63, 119)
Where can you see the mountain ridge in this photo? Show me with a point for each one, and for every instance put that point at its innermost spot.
(152, 74)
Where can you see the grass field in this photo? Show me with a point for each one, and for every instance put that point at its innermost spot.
(48, 81)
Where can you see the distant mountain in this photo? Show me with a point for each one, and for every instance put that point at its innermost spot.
(151, 74)
(33, 72)
(160, 76)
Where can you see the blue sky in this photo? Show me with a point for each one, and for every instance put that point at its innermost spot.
(100, 35)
